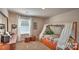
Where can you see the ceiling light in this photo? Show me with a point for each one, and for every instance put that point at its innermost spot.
(43, 8)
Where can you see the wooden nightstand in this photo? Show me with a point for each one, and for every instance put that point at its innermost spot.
(31, 38)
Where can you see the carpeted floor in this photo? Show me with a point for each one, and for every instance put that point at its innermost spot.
(33, 45)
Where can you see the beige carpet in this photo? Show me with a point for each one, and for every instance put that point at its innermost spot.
(34, 45)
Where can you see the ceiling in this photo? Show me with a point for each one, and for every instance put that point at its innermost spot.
(47, 12)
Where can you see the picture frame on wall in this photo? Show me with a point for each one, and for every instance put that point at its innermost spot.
(34, 25)
(13, 26)
(2, 26)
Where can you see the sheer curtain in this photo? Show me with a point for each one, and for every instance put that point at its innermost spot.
(24, 27)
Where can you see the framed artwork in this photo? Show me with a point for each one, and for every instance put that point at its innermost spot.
(2, 26)
(13, 26)
(35, 25)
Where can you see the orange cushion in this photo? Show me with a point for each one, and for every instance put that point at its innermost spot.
(54, 44)
(50, 44)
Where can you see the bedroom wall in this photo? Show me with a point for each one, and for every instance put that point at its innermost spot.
(40, 23)
(66, 18)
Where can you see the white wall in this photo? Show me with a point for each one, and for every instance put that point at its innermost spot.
(66, 17)
(40, 23)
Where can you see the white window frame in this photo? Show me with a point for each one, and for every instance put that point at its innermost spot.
(29, 19)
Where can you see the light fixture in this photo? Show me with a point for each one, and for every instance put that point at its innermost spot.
(43, 8)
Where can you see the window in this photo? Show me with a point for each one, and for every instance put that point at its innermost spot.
(24, 25)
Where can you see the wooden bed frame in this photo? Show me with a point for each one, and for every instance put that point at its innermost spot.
(75, 36)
